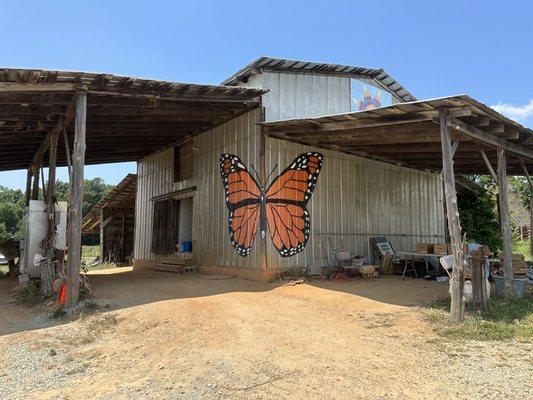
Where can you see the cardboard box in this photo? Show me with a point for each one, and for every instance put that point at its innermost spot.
(486, 251)
(450, 248)
(440, 249)
(424, 248)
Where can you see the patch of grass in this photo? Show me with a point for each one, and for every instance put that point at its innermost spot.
(90, 252)
(503, 320)
(522, 247)
(58, 313)
(30, 294)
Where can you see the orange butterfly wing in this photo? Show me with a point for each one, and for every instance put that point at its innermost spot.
(243, 198)
(286, 199)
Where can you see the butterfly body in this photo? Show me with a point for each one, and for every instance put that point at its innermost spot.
(280, 206)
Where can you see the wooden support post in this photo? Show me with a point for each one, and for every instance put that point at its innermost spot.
(47, 270)
(504, 222)
(102, 227)
(479, 288)
(530, 182)
(35, 189)
(530, 230)
(489, 166)
(28, 186)
(454, 226)
(74, 234)
(67, 153)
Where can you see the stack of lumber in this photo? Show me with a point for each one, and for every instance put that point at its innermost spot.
(172, 265)
(519, 266)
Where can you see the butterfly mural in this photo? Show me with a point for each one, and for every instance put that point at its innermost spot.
(281, 206)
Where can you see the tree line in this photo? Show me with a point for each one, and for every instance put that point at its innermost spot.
(12, 205)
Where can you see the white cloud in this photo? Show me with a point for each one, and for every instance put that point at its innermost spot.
(518, 113)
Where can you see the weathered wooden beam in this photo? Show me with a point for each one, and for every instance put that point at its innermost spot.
(503, 194)
(530, 183)
(56, 130)
(28, 186)
(35, 188)
(47, 270)
(76, 217)
(27, 87)
(487, 138)
(454, 225)
(67, 154)
(489, 166)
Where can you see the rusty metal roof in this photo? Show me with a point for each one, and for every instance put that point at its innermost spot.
(408, 134)
(127, 117)
(121, 197)
(285, 65)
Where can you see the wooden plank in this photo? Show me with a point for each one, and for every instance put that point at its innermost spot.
(60, 126)
(505, 222)
(29, 175)
(489, 166)
(487, 138)
(35, 187)
(454, 226)
(47, 271)
(27, 87)
(74, 234)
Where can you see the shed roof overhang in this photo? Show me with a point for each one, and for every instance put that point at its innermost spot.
(127, 118)
(121, 198)
(408, 134)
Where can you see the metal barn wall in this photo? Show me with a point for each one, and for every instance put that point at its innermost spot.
(356, 199)
(293, 95)
(211, 244)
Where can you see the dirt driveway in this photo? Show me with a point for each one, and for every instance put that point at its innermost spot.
(159, 335)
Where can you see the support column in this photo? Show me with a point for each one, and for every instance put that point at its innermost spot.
(454, 226)
(504, 222)
(102, 227)
(47, 270)
(28, 186)
(530, 231)
(35, 188)
(74, 234)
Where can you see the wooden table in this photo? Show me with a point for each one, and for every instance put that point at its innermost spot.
(405, 255)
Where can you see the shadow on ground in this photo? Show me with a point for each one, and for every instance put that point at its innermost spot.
(121, 288)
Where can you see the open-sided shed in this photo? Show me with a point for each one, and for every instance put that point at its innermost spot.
(113, 218)
(455, 134)
(58, 118)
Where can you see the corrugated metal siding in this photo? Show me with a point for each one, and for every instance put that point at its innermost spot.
(356, 199)
(295, 95)
(211, 244)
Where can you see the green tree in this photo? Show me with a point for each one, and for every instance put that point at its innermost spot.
(12, 205)
(11, 210)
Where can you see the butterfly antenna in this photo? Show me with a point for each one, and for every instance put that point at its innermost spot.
(256, 174)
(271, 172)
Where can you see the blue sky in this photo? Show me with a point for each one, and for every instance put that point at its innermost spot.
(482, 48)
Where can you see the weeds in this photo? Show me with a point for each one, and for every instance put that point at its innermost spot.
(30, 294)
(503, 320)
(58, 313)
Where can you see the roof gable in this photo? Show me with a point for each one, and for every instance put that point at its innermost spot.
(285, 65)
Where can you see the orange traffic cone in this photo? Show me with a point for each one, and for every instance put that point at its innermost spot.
(62, 295)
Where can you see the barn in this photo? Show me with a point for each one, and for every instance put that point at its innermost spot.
(273, 169)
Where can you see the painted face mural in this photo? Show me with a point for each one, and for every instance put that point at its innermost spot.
(282, 206)
(365, 97)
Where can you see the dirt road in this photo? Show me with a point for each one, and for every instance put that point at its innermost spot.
(158, 335)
